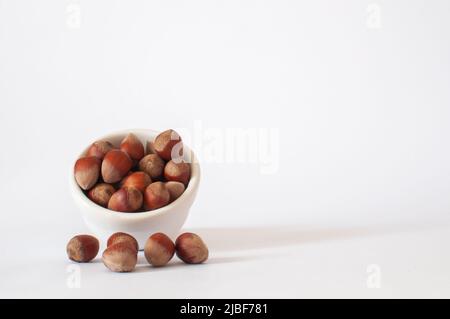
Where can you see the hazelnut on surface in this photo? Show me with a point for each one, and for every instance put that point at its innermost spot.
(82, 248)
(121, 237)
(120, 257)
(191, 249)
(87, 171)
(159, 249)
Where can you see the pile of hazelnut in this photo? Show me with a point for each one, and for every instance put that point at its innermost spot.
(122, 250)
(130, 179)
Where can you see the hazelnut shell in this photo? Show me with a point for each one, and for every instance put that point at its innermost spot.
(126, 199)
(99, 149)
(101, 194)
(87, 171)
(120, 237)
(168, 145)
(133, 147)
(139, 180)
(156, 195)
(191, 249)
(159, 249)
(82, 248)
(115, 166)
(120, 257)
(153, 165)
(177, 172)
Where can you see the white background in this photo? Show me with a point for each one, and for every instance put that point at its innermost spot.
(358, 91)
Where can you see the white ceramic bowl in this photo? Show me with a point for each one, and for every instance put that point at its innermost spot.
(168, 219)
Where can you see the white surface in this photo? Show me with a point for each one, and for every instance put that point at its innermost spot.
(362, 115)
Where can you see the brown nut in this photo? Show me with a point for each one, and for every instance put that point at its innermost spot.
(87, 171)
(133, 147)
(120, 257)
(123, 238)
(168, 145)
(156, 195)
(115, 165)
(101, 194)
(126, 199)
(99, 149)
(177, 172)
(191, 249)
(139, 180)
(82, 248)
(159, 249)
(175, 190)
(150, 148)
(153, 165)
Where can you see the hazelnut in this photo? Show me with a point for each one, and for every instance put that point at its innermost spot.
(116, 165)
(175, 190)
(99, 149)
(123, 238)
(82, 248)
(126, 199)
(191, 249)
(150, 148)
(156, 195)
(153, 165)
(139, 180)
(168, 145)
(177, 172)
(120, 257)
(101, 194)
(87, 171)
(133, 147)
(159, 249)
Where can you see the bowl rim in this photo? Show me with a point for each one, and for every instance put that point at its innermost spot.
(190, 189)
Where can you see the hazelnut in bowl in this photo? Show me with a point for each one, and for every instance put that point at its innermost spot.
(136, 181)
